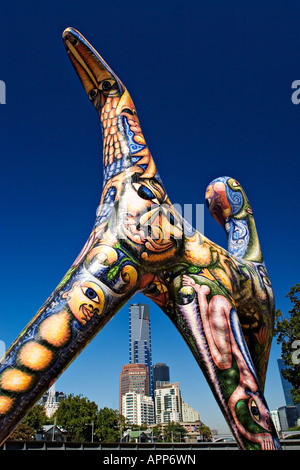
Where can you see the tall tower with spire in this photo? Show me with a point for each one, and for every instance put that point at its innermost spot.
(140, 338)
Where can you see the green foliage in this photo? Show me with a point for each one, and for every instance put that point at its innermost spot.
(23, 432)
(173, 432)
(36, 417)
(84, 422)
(205, 432)
(76, 414)
(108, 425)
(27, 429)
(288, 335)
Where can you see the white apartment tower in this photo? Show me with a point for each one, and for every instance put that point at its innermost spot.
(168, 403)
(138, 408)
(189, 415)
(51, 400)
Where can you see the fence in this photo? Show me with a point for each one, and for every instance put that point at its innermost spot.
(292, 444)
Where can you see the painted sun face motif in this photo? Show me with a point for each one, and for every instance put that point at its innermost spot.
(149, 219)
(85, 300)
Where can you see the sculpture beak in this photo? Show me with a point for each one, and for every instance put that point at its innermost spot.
(95, 75)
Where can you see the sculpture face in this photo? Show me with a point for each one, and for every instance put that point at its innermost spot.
(148, 221)
(139, 243)
(85, 300)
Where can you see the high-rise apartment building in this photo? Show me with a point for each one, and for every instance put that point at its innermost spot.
(168, 403)
(288, 417)
(138, 408)
(189, 415)
(133, 378)
(51, 400)
(140, 338)
(275, 418)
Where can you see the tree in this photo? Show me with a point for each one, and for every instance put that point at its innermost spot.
(23, 432)
(158, 432)
(28, 428)
(288, 335)
(205, 432)
(108, 425)
(174, 432)
(36, 417)
(77, 415)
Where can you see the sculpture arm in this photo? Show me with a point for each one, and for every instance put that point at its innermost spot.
(84, 302)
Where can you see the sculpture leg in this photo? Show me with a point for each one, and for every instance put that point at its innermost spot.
(230, 207)
(88, 297)
(209, 324)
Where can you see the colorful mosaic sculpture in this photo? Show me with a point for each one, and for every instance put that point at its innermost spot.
(221, 301)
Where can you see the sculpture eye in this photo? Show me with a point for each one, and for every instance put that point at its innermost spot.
(93, 93)
(254, 410)
(145, 193)
(172, 218)
(128, 111)
(264, 276)
(108, 86)
(90, 294)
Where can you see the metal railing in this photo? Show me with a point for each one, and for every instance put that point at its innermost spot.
(292, 444)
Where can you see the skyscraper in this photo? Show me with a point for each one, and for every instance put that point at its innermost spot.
(140, 338)
(161, 374)
(286, 386)
(51, 400)
(291, 411)
(133, 378)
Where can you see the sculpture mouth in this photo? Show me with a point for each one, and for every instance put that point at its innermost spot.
(88, 313)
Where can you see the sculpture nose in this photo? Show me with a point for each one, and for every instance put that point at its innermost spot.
(69, 36)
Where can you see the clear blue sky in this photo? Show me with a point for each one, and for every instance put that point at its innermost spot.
(212, 85)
